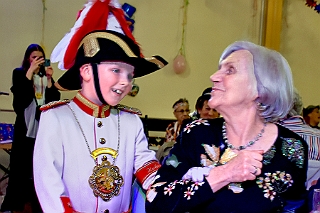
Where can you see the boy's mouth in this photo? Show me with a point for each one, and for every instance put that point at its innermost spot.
(119, 92)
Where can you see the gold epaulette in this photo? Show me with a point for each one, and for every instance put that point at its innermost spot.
(128, 109)
(54, 104)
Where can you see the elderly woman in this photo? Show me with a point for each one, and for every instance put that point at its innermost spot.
(181, 112)
(242, 162)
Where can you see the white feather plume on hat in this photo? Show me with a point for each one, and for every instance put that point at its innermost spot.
(59, 51)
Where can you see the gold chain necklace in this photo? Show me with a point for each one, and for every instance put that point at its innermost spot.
(106, 179)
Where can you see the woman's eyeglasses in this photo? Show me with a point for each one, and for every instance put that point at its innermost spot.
(182, 111)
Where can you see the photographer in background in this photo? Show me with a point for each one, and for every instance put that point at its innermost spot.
(32, 86)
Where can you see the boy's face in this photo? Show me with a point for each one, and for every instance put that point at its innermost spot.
(115, 80)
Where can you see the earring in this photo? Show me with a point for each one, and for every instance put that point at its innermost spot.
(261, 106)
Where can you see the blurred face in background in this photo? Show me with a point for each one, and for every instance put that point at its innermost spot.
(34, 55)
(314, 117)
(182, 112)
(206, 112)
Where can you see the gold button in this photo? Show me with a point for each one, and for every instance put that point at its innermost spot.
(99, 124)
(102, 140)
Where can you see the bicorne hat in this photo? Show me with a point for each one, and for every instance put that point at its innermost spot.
(100, 33)
(107, 45)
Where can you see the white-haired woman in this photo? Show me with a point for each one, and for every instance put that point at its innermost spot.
(242, 162)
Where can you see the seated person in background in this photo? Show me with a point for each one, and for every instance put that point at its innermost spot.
(181, 112)
(296, 123)
(311, 115)
(256, 165)
(202, 108)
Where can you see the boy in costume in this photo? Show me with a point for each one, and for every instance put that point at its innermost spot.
(88, 149)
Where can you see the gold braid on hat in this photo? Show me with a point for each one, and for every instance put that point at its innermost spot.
(91, 46)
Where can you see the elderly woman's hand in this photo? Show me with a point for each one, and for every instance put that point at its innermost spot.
(245, 166)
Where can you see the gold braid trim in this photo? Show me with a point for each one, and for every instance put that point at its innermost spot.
(91, 46)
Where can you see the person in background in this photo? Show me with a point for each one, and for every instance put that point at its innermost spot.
(243, 161)
(181, 112)
(32, 86)
(311, 115)
(295, 122)
(202, 108)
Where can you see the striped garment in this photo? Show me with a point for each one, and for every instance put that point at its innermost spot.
(310, 135)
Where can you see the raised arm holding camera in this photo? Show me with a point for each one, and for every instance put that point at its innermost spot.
(32, 86)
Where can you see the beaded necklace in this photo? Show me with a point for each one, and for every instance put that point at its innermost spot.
(228, 155)
(250, 143)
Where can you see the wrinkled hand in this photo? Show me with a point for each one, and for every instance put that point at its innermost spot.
(197, 173)
(245, 166)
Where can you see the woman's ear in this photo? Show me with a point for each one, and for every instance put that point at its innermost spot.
(86, 72)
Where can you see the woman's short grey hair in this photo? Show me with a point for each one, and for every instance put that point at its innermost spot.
(274, 79)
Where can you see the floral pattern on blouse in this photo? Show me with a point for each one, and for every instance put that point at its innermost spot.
(268, 155)
(274, 183)
(293, 150)
(169, 189)
(195, 123)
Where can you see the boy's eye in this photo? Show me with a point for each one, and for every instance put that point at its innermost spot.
(116, 70)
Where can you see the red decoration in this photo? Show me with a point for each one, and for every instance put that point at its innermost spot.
(96, 19)
(313, 4)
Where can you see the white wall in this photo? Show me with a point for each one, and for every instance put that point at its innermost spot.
(211, 26)
(301, 47)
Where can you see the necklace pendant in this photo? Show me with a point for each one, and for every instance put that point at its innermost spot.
(106, 180)
(235, 187)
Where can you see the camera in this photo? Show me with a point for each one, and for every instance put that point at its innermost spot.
(42, 71)
(47, 62)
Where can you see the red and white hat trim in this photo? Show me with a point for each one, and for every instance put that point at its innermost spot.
(96, 15)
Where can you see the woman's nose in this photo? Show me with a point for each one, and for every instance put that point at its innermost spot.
(215, 77)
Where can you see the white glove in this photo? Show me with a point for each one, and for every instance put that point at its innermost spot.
(197, 173)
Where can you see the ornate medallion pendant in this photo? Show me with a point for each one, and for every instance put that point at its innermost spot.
(106, 180)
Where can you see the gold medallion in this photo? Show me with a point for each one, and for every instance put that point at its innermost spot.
(106, 180)
(38, 95)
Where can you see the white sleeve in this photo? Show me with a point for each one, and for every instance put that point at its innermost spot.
(146, 163)
(48, 163)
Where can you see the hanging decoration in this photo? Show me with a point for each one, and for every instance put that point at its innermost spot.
(43, 23)
(180, 63)
(313, 4)
(129, 10)
(134, 90)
